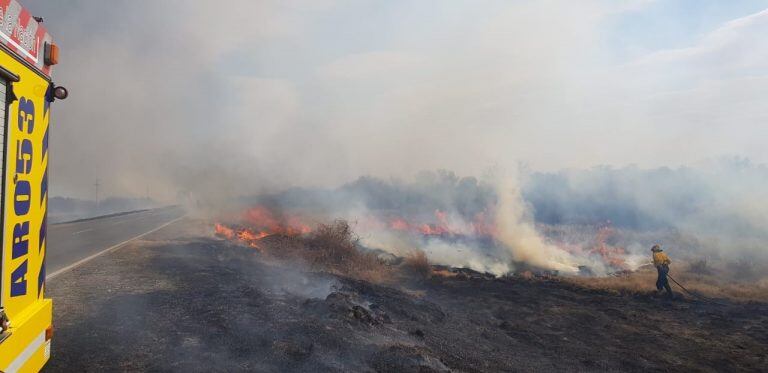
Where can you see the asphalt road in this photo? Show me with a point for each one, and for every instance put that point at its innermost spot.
(70, 244)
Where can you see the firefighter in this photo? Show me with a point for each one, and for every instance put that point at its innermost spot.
(661, 261)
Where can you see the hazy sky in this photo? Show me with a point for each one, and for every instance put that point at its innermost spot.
(235, 96)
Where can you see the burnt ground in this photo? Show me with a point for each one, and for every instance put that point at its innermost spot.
(180, 301)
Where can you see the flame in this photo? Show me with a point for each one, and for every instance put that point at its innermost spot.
(433, 230)
(259, 222)
(224, 231)
(611, 255)
(266, 221)
(247, 236)
(441, 226)
(399, 224)
(482, 227)
(243, 235)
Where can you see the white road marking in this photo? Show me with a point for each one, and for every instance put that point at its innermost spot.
(83, 231)
(109, 249)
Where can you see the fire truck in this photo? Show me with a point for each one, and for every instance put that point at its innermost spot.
(27, 54)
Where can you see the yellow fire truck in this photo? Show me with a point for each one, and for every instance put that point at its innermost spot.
(27, 54)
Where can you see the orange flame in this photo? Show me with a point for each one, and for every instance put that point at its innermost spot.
(441, 226)
(260, 222)
(263, 223)
(247, 236)
(612, 255)
(266, 221)
(224, 231)
(244, 235)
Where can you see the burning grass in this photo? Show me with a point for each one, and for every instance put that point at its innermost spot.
(330, 247)
(335, 248)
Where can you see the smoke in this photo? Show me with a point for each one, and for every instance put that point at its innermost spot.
(460, 255)
(593, 221)
(719, 204)
(517, 231)
(204, 101)
(461, 222)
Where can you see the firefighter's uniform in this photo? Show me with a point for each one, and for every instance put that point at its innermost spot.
(662, 262)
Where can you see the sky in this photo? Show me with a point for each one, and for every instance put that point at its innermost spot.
(236, 97)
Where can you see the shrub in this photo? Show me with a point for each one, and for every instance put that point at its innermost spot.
(418, 263)
(334, 247)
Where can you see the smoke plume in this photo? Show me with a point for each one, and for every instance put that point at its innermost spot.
(213, 103)
(205, 101)
(518, 233)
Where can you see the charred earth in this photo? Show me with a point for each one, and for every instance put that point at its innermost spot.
(183, 300)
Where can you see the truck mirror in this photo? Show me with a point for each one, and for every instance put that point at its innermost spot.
(60, 92)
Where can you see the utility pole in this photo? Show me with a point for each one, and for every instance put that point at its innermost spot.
(96, 185)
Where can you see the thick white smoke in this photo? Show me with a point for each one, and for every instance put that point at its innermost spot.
(507, 239)
(516, 230)
(166, 100)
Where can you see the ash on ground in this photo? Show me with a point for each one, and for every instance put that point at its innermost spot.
(181, 301)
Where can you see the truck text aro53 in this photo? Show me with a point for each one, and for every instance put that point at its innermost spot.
(27, 54)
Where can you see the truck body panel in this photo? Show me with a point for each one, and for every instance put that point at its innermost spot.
(25, 108)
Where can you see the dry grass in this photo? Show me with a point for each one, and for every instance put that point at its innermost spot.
(697, 277)
(639, 282)
(331, 248)
(418, 263)
(334, 248)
